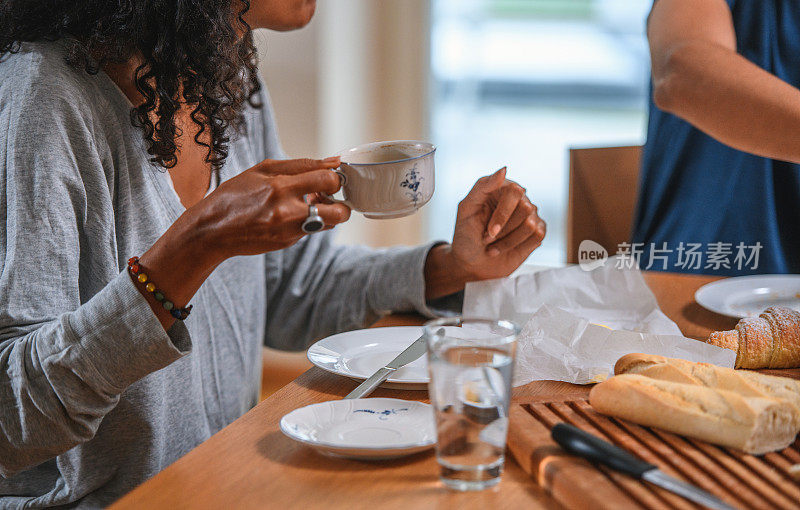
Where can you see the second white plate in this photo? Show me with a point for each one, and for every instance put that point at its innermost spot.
(358, 354)
(363, 428)
(747, 296)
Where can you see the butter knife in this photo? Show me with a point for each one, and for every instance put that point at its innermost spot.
(412, 352)
(581, 443)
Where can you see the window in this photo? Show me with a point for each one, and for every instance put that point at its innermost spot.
(519, 82)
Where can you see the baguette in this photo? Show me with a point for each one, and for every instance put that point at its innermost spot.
(753, 424)
(743, 382)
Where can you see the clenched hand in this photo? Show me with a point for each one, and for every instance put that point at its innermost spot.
(497, 228)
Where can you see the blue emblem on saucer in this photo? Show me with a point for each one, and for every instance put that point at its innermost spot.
(382, 415)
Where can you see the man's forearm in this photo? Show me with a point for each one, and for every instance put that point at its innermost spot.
(731, 99)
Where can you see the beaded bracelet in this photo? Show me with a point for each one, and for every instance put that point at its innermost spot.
(136, 269)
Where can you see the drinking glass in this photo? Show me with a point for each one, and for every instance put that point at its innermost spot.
(470, 363)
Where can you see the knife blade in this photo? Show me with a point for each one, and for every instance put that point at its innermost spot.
(411, 353)
(581, 443)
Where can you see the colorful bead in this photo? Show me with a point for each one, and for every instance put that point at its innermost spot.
(178, 313)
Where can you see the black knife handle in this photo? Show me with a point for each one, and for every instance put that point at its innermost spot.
(577, 442)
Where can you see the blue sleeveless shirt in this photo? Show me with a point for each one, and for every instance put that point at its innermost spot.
(707, 208)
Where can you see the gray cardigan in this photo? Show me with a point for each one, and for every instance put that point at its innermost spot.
(95, 397)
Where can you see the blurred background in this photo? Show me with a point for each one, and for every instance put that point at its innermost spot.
(490, 82)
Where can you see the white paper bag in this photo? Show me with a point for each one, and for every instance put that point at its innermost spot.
(558, 310)
(617, 298)
(557, 345)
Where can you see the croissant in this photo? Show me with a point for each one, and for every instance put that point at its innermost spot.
(771, 340)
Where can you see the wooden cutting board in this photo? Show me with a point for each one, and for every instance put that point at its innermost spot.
(744, 481)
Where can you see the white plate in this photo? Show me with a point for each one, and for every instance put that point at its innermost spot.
(363, 428)
(747, 296)
(358, 354)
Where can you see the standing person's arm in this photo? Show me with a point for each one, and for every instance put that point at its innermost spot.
(699, 76)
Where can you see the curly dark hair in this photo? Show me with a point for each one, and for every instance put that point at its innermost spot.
(198, 52)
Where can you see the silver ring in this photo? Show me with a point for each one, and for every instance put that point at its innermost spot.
(313, 222)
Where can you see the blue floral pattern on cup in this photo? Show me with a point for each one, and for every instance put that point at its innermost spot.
(382, 415)
(411, 181)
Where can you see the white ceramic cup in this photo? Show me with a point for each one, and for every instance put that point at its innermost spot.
(385, 180)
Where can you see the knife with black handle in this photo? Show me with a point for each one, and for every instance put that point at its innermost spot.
(581, 443)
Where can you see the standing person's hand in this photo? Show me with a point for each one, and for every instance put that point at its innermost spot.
(497, 228)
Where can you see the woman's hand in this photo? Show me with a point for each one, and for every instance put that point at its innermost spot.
(263, 208)
(497, 228)
(260, 210)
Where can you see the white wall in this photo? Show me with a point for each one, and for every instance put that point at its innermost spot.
(288, 63)
(357, 73)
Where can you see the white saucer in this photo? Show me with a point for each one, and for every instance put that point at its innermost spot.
(358, 354)
(747, 296)
(364, 428)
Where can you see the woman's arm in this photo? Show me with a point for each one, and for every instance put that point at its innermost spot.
(63, 363)
(497, 228)
(260, 210)
(317, 288)
(699, 76)
(65, 360)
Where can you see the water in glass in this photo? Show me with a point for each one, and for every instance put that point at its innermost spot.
(470, 388)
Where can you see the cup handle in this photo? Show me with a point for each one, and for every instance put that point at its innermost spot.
(342, 181)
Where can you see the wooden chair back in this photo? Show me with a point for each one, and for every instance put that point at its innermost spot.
(603, 185)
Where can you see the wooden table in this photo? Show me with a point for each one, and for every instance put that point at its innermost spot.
(251, 464)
